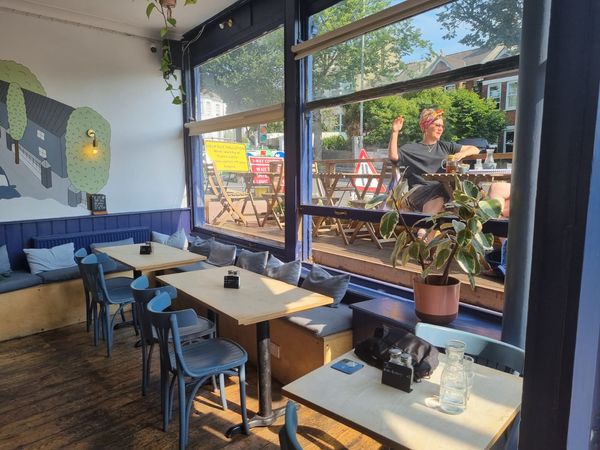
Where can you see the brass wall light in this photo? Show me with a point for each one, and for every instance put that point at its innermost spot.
(91, 133)
(227, 23)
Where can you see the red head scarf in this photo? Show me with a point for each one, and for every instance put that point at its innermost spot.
(428, 116)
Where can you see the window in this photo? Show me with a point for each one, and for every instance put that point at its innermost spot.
(240, 141)
(450, 87)
(494, 92)
(511, 95)
(41, 135)
(509, 139)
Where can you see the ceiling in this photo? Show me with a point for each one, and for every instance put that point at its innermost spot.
(123, 16)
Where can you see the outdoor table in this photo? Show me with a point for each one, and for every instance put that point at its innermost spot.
(404, 420)
(475, 176)
(162, 257)
(258, 300)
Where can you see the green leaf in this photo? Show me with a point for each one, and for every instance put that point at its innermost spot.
(163, 32)
(483, 240)
(190, 2)
(149, 9)
(177, 100)
(388, 224)
(446, 226)
(405, 256)
(470, 189)
(458, 226)
(376, 201)
(471, 281)
(475, 225)
(441, 257)
(172, 21)
(463, 237)
(464, 213)
(465, 261)
(400, 243)
(491, 207)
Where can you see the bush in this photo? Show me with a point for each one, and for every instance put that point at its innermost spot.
(335, 143)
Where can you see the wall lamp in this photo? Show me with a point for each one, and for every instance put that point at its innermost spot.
(227, 23)
(91, 133)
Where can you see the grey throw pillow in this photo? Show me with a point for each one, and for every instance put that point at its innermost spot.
(319, 280)
(221, 254)
(96, 245)
(176, 240)
(43, 259)
(273, 262)
(288, 272)
(200, 246)
(252, 261)
(5, 268)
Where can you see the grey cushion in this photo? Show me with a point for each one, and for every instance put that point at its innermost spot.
(319, 280)
(177, 239)
(273, 262)
(288, 272)
(18, 279)
(200, 265)
(69, 273)
(96, 245)
(252, 261)
(324, 321)
(221, 254)
(44, 259)
(200, 246)
(4, 261)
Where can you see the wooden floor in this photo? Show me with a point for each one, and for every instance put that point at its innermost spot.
(59, 391)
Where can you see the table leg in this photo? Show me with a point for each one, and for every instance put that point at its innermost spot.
(266, 414)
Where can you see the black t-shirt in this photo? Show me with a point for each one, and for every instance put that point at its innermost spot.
(419, 158)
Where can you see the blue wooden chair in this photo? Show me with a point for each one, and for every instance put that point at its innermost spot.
(485, 351)
(287, 433)
(102, 298)
(197, 361)
(108, 265)
(142, 293)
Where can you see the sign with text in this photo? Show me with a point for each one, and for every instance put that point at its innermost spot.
(227, 156)
(260, 164)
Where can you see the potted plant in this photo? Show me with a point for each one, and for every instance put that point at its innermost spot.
(454, 235)
(165, 9)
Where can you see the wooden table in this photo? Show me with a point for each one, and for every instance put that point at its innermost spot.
(477, 177)
(258, 300)
(162, 257)
(403, 420)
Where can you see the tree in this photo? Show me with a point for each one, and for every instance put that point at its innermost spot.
(466, 115)
(379, 53)
(489, 22)
(87, 166)
(18, 77)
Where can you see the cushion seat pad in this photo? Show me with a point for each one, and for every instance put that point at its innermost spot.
(324, 321)
(18, 279)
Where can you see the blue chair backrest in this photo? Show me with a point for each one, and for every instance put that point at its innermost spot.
(486, 351)
(92, 274)
(142, 294)
(167, 323)
(287, 433)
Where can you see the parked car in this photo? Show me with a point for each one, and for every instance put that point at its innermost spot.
(7, 190)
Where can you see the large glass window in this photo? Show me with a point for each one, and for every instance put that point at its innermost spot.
(511, 95)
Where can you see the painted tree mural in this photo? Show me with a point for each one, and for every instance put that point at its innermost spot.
(87, 166)
(18, 77)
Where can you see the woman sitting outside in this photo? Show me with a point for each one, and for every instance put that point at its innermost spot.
(426, 157)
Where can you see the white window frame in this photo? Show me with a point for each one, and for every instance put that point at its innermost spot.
(514, 95)
(499, 86)
(509, 129)
(450, 87)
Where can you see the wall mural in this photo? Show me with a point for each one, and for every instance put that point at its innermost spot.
(46, 152)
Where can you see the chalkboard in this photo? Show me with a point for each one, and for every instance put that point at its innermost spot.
(98, 203)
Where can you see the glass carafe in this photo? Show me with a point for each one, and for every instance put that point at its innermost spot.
(489, 162)
(453, 384)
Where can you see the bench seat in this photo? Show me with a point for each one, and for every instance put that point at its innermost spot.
(324, 320)
(19, 279)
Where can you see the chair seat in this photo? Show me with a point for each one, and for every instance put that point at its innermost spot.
(204, 327)
(120, 294)
(118, 282)
(212, 356)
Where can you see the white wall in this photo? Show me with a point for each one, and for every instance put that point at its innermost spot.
(117, 76)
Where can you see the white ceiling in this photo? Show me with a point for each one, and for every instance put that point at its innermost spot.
(124, 16)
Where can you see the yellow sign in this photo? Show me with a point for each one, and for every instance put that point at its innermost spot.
(227, 156)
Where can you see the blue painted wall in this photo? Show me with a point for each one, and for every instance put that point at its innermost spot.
(17, 235)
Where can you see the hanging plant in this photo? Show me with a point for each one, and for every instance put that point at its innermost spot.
(165, 9)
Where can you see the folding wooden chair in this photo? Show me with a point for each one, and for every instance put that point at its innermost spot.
(228, 198)
(275, 199)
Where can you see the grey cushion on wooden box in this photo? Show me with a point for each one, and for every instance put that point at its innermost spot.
(286, 272)
(319, 280)
(176, 240)
(5, 268)
(324, 321)
(221, 254)
(252, 261)
(200, 246)
(18, 279)
(69, 273)
(97, 245)
(200, 265)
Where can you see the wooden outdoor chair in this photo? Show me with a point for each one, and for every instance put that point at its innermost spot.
(322, 223)
(275, 199)
(228, 198)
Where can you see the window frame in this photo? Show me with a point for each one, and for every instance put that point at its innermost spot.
(495, 84)
(514, 95)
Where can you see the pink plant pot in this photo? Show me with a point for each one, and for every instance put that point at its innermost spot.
(435, 303)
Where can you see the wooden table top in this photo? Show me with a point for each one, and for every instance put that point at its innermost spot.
(259, 298)
(162, 256)
(404, 420)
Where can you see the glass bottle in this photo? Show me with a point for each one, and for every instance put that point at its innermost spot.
(453, 383)
(489, 160)
(395, 356)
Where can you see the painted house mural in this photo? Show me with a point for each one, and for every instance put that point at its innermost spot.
(48, 150)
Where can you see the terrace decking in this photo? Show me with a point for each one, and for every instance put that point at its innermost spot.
(59, 391)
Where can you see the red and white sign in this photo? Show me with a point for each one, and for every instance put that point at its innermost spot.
(365, 167)
(260, 164)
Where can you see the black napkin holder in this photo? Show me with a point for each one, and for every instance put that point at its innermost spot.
(397, 376)
(231, 280)
(146, 249)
